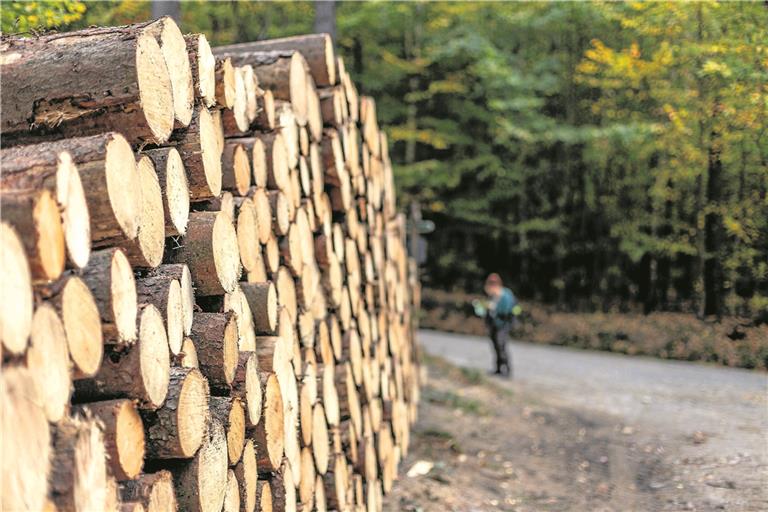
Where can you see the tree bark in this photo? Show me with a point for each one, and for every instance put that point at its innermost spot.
(43, 97)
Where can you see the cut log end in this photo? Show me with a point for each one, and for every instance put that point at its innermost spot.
(192, 411)
(75, 216)
(79, 476)
(176, 192)
(225, 253)
(48, 362)
(174, 50)
(154, 355)
(26, 439)
(150, 241)
(123, 186)
(124, 436)
(209, 145)
(82, 324)
(155, 89)
(206, 71)
(16, 306)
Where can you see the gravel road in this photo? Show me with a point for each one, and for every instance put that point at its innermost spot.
(692, 435)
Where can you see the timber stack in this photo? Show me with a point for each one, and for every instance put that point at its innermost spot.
(207, 299)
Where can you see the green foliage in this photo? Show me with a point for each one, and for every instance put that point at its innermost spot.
(30, 16)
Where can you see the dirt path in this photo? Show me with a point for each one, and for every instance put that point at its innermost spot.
(585, 431)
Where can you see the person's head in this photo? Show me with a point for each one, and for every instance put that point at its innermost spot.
(493, 285)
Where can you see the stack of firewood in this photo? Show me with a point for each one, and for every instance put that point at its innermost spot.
(207, 302)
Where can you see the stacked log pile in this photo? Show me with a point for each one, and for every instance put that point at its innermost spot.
(207, 300)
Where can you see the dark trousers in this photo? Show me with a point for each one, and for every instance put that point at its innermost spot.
(499, 337)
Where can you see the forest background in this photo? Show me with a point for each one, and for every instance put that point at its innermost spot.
(602, 157)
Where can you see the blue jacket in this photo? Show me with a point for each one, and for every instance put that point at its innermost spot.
(501, 307)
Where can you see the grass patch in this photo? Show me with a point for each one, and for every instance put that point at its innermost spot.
(454, 401)
(464, 376)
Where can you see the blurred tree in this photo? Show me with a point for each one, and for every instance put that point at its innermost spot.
(19, 17)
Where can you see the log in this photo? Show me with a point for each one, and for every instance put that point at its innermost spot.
(246, 472)
(286, 296)
(165, 294)
(336, 484)
(307, 483)
(231, 413)
(268, 434)
(320, 439)
(283, 489)
(76, 306)
(327, 375)
(320, 503)
(203, 66)
(235, 119)
(178, 427)
(257, 159)
(331, 109)
(215, 339)
(16, 306)
(236, 168)
(146, 249)
(247, 387)
(180, 272)
(110, 279)
(287, 121)
(123, 435)
(279, 207)
(283, 72)
(174, 49)
(317, 49)
(259, 273)
(262, 300)
(237, 302)
(42, 94)
(188, 356)
(210, 251)
(26, 437)
(154, 491)
(350, 92)
(263, 214)
(200, 150)
(290, 250)
(264, 496)
(225, 83)
(174, 186)
(78, 479)
(276, 159)
(265, 119)
(272, 255)
(48, 362)
(201, 484)
(252, 90)
(314, 115)
(35, 168)
(247, 235)
(231, 494)
(139, 371)
(290, 426)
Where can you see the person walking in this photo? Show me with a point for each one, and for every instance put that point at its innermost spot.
(501, 318)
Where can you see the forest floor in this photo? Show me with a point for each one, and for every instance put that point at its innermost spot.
(583, 431)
